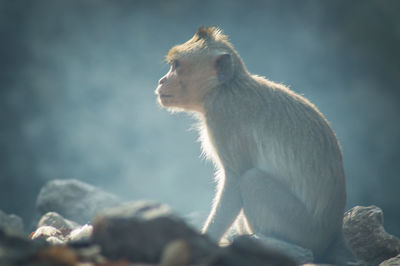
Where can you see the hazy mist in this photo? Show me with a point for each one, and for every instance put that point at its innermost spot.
(77, 81)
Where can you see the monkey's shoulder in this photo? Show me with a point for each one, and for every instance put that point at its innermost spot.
(280, 99)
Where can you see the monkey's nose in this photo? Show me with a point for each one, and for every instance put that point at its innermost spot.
(162, 80)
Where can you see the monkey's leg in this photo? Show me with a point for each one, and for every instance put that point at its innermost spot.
(273, 210)
(226, 207)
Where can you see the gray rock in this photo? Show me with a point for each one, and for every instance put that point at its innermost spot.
(140, 231)
(55, 220)
(391, 262)
(149, 232)
(11, 224)
(246, 250)
(54, 240)
(81, 233)
(176, 253)
(17, 250)
(74, 200)
(49, 234)
(299, 254)
(54, 229)
(312, 264)
(365, 236)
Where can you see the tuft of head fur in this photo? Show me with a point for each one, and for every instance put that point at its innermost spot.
(210, 33)
(203, 39)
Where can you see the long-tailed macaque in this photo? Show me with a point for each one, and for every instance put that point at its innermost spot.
(278, 161)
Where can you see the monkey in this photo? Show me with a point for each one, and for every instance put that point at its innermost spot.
(279, 166)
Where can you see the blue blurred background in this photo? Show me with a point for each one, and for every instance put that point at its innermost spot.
(77, 82)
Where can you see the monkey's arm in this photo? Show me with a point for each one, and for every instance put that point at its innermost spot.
(227, 205)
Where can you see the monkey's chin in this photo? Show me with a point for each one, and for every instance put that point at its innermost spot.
(165, 101)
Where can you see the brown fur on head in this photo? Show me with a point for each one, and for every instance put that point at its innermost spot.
(204, 62)
(202, 42)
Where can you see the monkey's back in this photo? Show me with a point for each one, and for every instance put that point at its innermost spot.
(299, 144)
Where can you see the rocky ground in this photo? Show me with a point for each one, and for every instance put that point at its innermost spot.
(84, 225)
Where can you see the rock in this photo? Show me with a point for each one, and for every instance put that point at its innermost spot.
(311, 264)
(246, 250)
(55, 220)
(55, 236)
(299, 254)
(12, 224)
(391, 262)
(56, 255)
(81, 233)
(142, 231)
(49, 233)
(149, 232)
(16, 250)
(70, 230)
(74, 200)
(90, 253)
(365, 236)
(54, 240)
(176, 253)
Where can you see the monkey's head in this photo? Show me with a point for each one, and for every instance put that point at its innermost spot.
(203, 63)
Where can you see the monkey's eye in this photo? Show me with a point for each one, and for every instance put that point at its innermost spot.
(175, 64)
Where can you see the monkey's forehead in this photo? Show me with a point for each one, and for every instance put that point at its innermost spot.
(200, 54)
(188, 49)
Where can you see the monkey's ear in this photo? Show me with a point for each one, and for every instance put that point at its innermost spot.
(224, 67)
